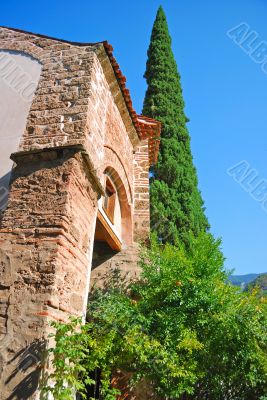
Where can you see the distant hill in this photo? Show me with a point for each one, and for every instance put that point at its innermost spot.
(244, 281)
(260, 281)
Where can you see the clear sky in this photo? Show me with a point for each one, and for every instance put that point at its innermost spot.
(224, 89)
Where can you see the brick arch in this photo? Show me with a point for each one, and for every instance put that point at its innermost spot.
(27, 48)
(14, 50)
(113, 160)
(125, 206)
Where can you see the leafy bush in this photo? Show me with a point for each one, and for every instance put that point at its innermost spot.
(180, 327)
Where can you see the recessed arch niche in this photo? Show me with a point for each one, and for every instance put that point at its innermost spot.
(19, 77)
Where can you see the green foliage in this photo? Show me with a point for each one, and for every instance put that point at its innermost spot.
(180, 327)
(235, 337)
(70, 351)
(175, 198)
(76, 354)
(231, 326)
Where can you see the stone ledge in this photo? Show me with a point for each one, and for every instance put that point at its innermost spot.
(20, 156)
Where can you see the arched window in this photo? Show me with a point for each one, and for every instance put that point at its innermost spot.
(114, 218)
(109, 200)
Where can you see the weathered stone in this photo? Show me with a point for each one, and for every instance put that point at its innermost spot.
(79, 131)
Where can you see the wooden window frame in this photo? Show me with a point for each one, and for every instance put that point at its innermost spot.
(109, 201)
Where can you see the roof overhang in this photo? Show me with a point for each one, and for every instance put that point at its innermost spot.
(146, 128)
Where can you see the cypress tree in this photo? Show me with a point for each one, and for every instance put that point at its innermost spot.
(176, 203)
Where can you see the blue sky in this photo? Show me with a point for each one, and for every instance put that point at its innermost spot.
(225, 93)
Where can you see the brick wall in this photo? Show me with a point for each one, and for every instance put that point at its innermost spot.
(78, 127)
(105, 260)
(141, 193)
(45, 235)
(59, 110)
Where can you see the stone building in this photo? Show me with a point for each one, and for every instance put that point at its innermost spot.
(74, 187)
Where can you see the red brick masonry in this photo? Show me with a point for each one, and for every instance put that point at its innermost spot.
(81, 124)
